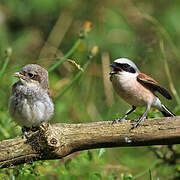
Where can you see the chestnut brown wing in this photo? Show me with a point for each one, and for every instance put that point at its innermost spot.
(152, 84)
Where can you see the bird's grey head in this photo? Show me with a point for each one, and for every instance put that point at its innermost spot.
(124, 65)
(33, 74)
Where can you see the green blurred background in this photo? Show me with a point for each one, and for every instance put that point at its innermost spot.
(147, 32)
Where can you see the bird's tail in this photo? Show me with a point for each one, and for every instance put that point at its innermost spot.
(166, 112)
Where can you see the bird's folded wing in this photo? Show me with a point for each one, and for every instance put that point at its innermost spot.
(152, 84)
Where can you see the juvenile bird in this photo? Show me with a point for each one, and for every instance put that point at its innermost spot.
(137, 88)
(30, 103)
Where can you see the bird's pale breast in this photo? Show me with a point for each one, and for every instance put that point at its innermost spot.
(129, 89)
(30, 106)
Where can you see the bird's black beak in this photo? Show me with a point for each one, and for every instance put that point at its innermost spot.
(115, 67)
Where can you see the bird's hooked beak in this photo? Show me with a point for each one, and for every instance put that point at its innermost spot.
(19, 75)
(115, 67)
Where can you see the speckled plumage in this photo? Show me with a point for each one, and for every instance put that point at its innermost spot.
(30, 103)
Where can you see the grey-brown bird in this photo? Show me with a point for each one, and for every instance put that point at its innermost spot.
(30, 103)
(137, 88)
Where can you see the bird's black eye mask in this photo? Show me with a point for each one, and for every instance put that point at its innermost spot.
(122, 66)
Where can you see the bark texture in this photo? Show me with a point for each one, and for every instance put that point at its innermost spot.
(58, 140)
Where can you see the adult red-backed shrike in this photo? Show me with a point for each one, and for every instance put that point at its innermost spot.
(137, 89)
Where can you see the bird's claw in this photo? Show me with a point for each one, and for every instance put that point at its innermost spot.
(44, 126)
(28, 132)
(27, 135)
(135, 126)
(118, 120)
(138, 122)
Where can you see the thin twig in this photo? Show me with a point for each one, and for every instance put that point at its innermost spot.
(76, 65)
(76, 77)
(83, 34)
(92, 53)
(66, 159)
(67, 55)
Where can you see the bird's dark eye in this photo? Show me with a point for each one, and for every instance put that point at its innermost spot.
(31, 75)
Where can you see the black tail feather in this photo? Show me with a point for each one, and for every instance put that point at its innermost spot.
(166, 112)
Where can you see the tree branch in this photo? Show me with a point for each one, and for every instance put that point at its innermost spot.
(58, 140)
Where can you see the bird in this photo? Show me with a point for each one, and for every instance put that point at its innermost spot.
(137, 89)
(30, 103)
